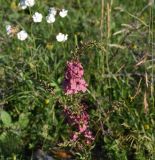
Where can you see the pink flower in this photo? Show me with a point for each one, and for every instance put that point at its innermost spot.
(74, 70)
(74, 81)
(88, 134)
(75, 136)
(82, 128)
(81, 123)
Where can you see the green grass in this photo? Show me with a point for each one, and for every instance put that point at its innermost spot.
(118, 59)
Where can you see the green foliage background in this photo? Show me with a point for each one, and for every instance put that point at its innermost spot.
(119, 70)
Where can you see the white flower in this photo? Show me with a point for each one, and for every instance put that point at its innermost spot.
(26, 3)
(29, 3)
(61, 37)
(50, 18)
(53, 11)
(63, 13)
(66, 37)
(37, 17)
(22, 4)
(22, 35)
(8, 29)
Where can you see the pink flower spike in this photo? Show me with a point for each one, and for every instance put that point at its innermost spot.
(80, 122)
(75, 136)
(82, 128)
(74, 81)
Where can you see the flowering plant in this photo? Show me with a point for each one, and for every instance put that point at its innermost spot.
(77, 83)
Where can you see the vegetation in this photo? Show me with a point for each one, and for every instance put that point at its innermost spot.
(114, 42)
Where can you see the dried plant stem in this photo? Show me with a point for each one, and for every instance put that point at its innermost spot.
(137, 18)
(108, 19)
(145, 103)
(102, 18)
(108, 42)
(101, 32)
(151, 40)
(108, 36)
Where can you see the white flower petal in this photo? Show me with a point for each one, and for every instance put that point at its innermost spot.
(29, 3)
(22, 35)
(63, 13)
(37, 17)
(22, 4)
(50, 18)
(53, 11)
(61, 37)
(66, 37)
(8, 29)
(26, 3)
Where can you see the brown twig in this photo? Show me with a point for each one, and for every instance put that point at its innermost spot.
(102, 18)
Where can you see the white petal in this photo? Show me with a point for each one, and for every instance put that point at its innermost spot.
(8, 29)
(50, 18)
(66, 37)
(63, 13)
(37, 17)
(22, 35)
(61, 37)
(22, 4)
(53, 11)
(29, 3)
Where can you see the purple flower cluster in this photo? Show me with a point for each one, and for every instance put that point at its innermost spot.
(74, 81)
(81, 123)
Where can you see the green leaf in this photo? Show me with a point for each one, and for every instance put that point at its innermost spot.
(6, 118)
(23, 120)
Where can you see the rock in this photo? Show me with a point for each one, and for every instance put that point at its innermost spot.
(41, 155)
